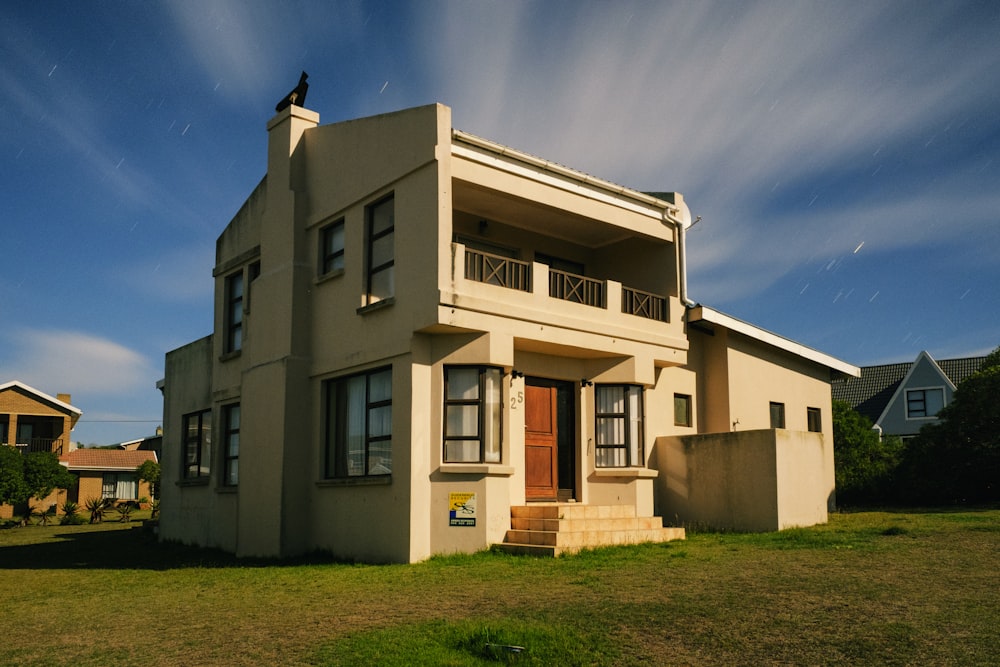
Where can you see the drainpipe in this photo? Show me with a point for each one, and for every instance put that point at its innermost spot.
(681, 217)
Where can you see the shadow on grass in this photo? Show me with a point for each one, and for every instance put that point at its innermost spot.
(130, 548)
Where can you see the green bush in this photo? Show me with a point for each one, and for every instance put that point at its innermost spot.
(864, 462)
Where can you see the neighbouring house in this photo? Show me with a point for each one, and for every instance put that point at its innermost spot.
(107, 473)
(34, 421)
(150, 443)
(426, 342)
(900, 399)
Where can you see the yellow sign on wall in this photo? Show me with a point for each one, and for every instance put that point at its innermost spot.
(462, 509)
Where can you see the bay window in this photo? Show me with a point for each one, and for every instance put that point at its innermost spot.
(619, 426)
(472, 414)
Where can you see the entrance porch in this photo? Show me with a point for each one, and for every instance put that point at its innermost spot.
(552, 529)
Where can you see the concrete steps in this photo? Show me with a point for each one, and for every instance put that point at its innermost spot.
(551, 529)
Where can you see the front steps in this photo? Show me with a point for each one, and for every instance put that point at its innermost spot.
(552, 529)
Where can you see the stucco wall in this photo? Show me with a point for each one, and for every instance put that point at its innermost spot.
(758, 480)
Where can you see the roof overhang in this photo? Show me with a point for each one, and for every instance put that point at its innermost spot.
(702, 313)
(42, 395)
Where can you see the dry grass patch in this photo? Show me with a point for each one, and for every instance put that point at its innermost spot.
(868, 588)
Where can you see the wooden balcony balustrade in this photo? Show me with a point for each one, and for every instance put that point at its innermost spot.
(644, 304)
(578, 289)
(493, 269)
(515, 274)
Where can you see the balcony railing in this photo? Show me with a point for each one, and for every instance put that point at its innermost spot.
(576, 288)
(492, 269)
(514, 274)
(644, 304)
(41, 445)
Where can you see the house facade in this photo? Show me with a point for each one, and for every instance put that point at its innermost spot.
(902, 398)
(422, 338)
(106, 473)
(33, 421)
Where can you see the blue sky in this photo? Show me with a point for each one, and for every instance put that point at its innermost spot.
(844, 157)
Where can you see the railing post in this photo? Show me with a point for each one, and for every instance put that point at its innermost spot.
(614, 296)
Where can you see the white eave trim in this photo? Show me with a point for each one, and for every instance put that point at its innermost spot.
(706, 314)
(498, 156)
(41, 394)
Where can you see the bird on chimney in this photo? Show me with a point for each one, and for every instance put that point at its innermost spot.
(297, 96)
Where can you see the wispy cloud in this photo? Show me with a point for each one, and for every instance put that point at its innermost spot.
(71, 361)
(739, 106)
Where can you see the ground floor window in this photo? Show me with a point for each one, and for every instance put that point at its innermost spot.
(359, 425)
(197, 429)
(472, 414)
(619, 426)
(120, 486)
(231, 443)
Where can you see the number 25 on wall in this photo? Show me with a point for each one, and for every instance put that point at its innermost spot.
(516, 400)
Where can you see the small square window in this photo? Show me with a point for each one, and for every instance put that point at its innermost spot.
(814, 420)
(777, 415)
(682, 410)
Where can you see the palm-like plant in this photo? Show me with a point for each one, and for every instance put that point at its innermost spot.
(71, 513)
(124, 512)
(97, 507)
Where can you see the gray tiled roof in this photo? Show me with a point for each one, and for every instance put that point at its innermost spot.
(871, 392)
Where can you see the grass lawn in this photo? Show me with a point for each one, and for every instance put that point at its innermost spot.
(884, 588)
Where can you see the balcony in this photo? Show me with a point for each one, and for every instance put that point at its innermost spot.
(514, 274)
(54, 445)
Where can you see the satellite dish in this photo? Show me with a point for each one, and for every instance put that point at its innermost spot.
(683, 214)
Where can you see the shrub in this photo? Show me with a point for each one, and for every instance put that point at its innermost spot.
(97, 507)
(71, 514)
(125, 510)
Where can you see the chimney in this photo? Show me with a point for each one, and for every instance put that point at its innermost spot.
(65, 398)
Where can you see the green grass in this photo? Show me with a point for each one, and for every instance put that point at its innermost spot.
(882, 588)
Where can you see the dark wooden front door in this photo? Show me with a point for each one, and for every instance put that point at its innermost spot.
(541, 438)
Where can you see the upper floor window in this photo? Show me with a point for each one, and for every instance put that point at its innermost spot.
(231, 443)
(924, 403)
(619, 426)
(359, 425)
(331, 248)
(197, 430)
(472, 414)
(234, 312)
(381, 219)
(682, 410)
(814, 420)
(777, 415)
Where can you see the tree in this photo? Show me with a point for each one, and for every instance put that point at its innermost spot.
(12, 486)
(30, 475)
(864, 461)
(150, 472)
(958, 458)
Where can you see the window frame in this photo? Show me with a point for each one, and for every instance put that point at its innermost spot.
(923, 391)
(203, 445)
(814, 420)
(686, 417)
(371, 238)
(234, 304)
(777, 413)
(484, 420)
(336, 450)
(327, 256)
(230, 461)
(630, 449)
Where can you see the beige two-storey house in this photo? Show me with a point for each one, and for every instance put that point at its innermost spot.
(424, 341)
